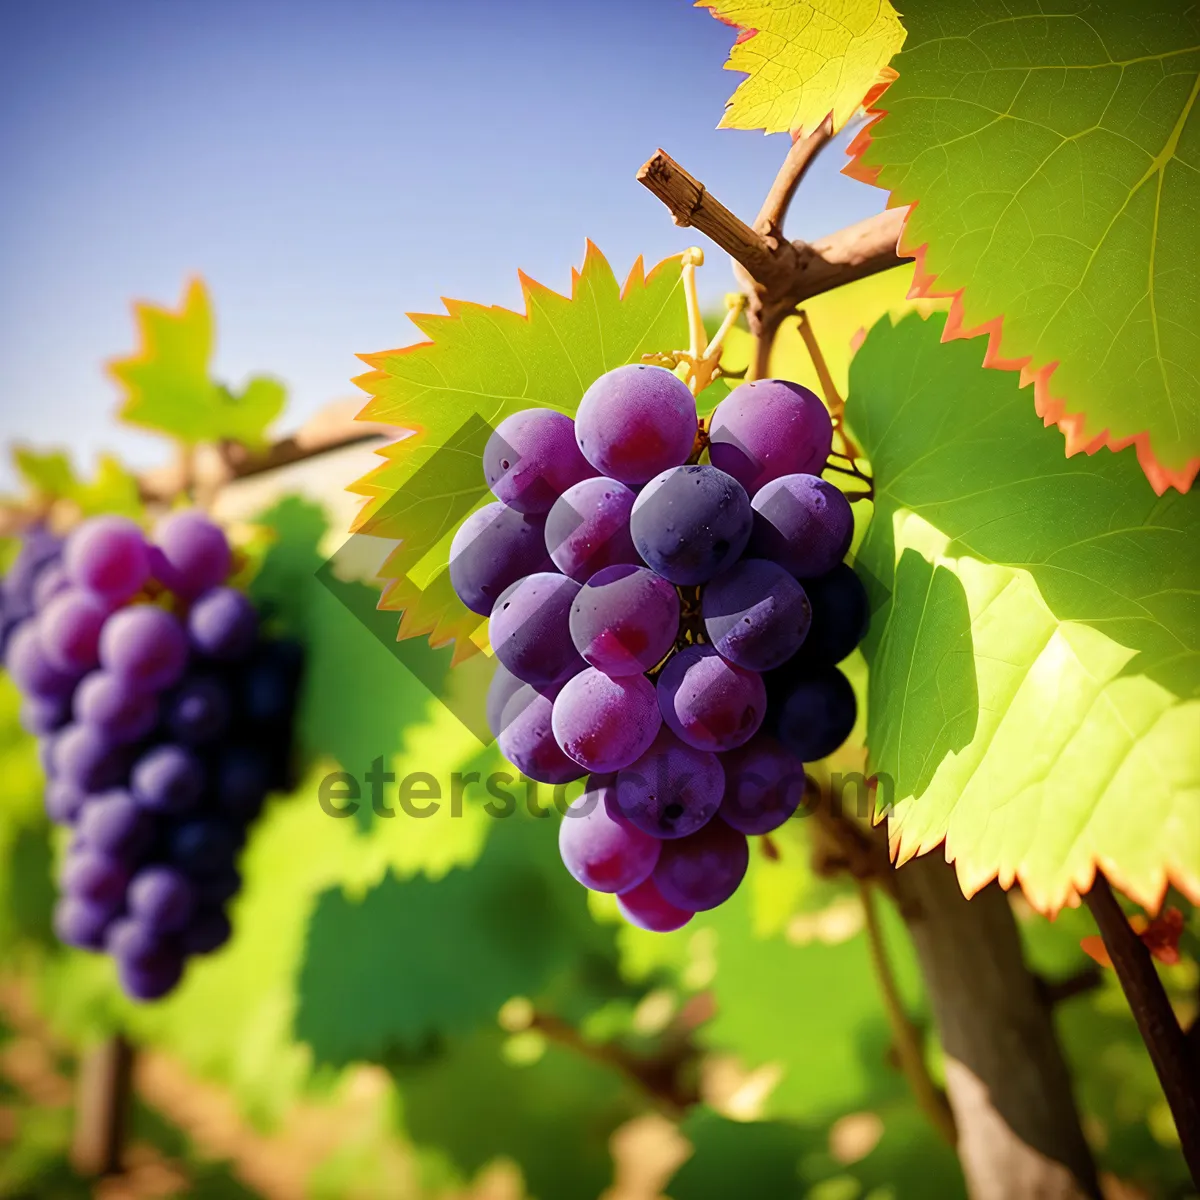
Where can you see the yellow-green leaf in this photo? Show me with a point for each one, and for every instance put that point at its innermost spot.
(805, 61)
(51, 476)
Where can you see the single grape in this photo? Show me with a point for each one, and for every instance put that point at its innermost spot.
(130, 941)
(146, 646)
(152, 979)
(51, 580)
(108, 555)
(624, 620)
(161, 898)
(702, 870)
(167, 779)
(708, 702)
(605, 724)
(198, 710)
(690, 523)
(817, 714)
(755, 614)
(840, 612)
(204, 847)
(644, 907)
(91, 875)
(207, 931)
(493, 548)
(114, 825)
(527, 738)
(242, 777)
(769, 428)
(115, 707)
(69, 630)
(588, 528)
(88, 758)
(81, 923)
(190, 554)
(802, 523)
(602, 850)
(503, 687)
(30, 667)
(636, 421)
(671, 790)
(64, 801)
(37, 557)
(218, 889)
(764, 785)
(530, 629)
(267, 690)
(532, 458)
(44, 714)
(222, 624)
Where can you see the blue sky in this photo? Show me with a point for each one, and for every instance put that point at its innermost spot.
(327, 166)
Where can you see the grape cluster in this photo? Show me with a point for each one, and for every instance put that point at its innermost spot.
(163, 717)
(668, 626)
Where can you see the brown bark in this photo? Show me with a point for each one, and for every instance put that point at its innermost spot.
(102, 1108)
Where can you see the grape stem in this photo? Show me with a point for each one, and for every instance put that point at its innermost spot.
(1177, 1070)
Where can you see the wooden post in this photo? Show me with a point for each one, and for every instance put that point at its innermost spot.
(103, 1094)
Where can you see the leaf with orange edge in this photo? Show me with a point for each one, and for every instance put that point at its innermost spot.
(1034, 653)
(168, 386)
(805, 60)
(479, 365)
(1052, 156)
(1161, 937)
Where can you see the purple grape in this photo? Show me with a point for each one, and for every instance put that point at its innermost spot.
(132, 942)
(531, 459)
(38, 555)
(767, 429)
(242, 778)
(530, 631)
(670, 791)
(167, 779)
(108, 555)
(69, 630)
(91, 875)
(644, 907)
(708, 702)
(493, 548)
(624, 620)
(144, 645)
(64, 801)
(588, 528)
(755, 614)
(86, 757)
(30, 667)
(605, 724)
(267, 691)
(764, 785)
(45, 746)
(80, 923)
(51, 580)
(703, 870)
(152, 979)
(222, 624)
(501, 690)
(817, 714)
(840, 613)
(197, 711)
(218, 889)
(41, 715)
(191, 554)
(162, 899)
(636, 421)
(602, 850)
(208, 930)
(115, 707)
(527, 738)
(690, 523)
(802, 523)
(205, 847)
(114, 825)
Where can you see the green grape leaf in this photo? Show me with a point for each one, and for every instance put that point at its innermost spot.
(479, 365)
(1035, 654)
(1052, 158)
(805, 59)
(50, 476)
(167, 383)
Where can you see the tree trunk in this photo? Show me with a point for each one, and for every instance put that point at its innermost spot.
(1019, 1136)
